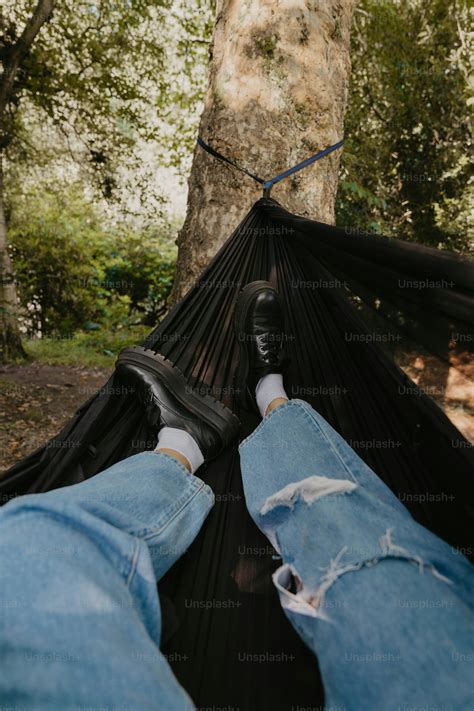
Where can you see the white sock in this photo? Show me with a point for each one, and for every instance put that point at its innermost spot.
(268, 388)
(182, 442)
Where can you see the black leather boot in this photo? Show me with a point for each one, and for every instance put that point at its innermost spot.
(171, 402)
(259, 329)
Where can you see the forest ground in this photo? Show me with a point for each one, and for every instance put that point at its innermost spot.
(37, 399)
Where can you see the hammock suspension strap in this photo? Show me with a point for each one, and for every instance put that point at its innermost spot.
(268, 184)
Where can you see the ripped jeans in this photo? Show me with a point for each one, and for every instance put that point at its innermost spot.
(386, 605)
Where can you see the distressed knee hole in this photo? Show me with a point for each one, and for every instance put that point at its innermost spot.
(307, 490)
(296, 597)
(293, 595)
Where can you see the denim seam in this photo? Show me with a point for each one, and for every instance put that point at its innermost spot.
(134, 562)
(173, 460)
(193, 483)
(151, 532)
(195, 480)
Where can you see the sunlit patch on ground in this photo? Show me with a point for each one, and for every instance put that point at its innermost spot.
(450, 385)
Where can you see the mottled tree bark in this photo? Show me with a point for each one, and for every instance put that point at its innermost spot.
(10, 339)
(278, 84)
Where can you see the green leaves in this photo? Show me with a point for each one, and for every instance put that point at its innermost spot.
(407, 124)
(74, 274)
(109, 76)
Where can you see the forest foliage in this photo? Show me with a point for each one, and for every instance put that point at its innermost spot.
(407, 164)
(113, 90)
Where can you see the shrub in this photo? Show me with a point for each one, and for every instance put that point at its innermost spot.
(73, 273)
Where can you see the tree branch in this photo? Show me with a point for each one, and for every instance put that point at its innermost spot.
(20, 49)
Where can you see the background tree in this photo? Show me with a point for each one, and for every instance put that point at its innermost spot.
(277, 93)
(406, 164)
(93, 85)
(13, 51)
(106, 110)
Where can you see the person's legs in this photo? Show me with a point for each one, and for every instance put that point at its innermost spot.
(80, 617)
(385, 604)
(80, 624)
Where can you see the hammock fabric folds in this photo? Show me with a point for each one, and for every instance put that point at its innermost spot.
(347, 296)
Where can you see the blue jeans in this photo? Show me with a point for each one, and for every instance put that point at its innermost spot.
(386, 605)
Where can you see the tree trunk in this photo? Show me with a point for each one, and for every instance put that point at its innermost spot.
(10, 343)
(10, 338)
(277, 94)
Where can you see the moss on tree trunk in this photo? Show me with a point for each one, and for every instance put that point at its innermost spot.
(278, 84)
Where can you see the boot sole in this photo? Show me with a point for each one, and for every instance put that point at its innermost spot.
(205, 407)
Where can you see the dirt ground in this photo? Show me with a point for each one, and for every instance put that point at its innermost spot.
(37, 400)
(451, 386)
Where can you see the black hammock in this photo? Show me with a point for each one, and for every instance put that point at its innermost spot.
(348, 296)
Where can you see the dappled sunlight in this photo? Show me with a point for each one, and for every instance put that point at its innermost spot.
(450, 386)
